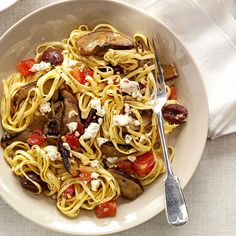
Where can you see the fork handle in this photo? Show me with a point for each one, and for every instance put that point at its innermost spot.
(176, 210)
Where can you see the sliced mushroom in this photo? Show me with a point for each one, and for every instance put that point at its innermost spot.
(37, 123)
(109, 150)
(98, 42)
(69, 105)
(130, 187)
(70, 163)
(22, 93)
(169, 71)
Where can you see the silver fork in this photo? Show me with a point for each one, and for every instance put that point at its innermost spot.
(176, 210)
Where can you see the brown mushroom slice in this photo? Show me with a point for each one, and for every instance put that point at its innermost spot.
(130, 187)
(70, 163)
(109, 150)
(69, 105)
(100, 41)
(37, 123)
(22, 93)
(169, 71)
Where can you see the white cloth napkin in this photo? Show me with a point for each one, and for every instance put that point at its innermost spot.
(212, 50)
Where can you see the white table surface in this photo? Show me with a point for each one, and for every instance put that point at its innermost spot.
(210, 194)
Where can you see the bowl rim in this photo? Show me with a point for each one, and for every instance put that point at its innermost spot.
(145, 218)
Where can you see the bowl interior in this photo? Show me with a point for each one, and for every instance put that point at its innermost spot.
(55, 23)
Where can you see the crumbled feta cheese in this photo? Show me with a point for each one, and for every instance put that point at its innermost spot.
(77, 134)
(70, 63)
(45, 107)
(128, 138)
(136, 123)
(95, 184)
(52, 153)
(94, 163)
(100, 121)
(42, 66)
(137, 95)
(72, 126)
(101, 141)
(96, 104)
(130, 87)
(86, 84)
(131, 158)
(112, 160)
(72, 113)
(110, 80)
(122, 120)
(127, 108)
(66, 146)
(91, 131)
(94, 175)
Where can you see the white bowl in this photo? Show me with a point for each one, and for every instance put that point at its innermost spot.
(54, 22)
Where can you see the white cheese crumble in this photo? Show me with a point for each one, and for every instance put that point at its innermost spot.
(136, 123)
(110, 80)
(96, 104)
(69, 63)
(42, 66)
(52, 153)
(101, 141)
(45, 107)
(131, 158)
(128, 138)
(94, 175)
(72, 113)
(112, 160)
(100, 121)
(72, 126)
(130, 87)
(95, 184)
(94, 163)
(122, 120)
(66, 146)
(77, 134)
(91, 131)
(127, 108)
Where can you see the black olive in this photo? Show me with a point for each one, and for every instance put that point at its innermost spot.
(52, 55)
(27, 184)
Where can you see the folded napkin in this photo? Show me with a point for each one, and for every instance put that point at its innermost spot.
(213, 51)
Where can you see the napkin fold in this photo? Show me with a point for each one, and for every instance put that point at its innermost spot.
(213, 51)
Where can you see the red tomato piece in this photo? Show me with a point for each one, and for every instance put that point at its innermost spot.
(85, 176)
(36, 138)
(25, 66)
(80, 76)
(143, 164)
(173, 94)
(126, 166)
(106, 209)
(72, 140)
(69, 192)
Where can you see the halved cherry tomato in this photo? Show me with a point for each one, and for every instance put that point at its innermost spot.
(173, 94)
(70, 191)
(80, 75)
(36, 138)
(143, 164)
(85, 176)
(106, 209)
(25, 66)
(72, 140)
(126, 166)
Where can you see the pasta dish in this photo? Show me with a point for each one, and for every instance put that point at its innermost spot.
(78, 124)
